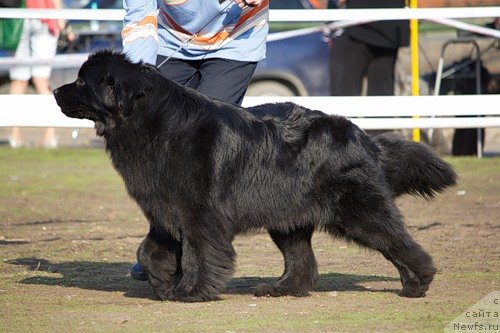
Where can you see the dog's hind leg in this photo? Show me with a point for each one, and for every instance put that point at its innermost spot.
(379, 226)
(207, 263)
(159, 255)
(301, 270)
(415, 269)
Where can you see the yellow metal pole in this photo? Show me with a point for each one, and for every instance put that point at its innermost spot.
(414, 63)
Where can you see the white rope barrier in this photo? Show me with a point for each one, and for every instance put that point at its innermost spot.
(278, 15)
(494, 33)
(291, 33)
(299, 32)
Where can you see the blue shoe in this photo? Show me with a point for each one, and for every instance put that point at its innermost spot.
(137, 272)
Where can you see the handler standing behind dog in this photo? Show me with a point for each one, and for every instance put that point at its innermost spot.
(212, 46)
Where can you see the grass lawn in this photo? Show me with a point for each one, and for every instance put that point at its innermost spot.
(68, 233)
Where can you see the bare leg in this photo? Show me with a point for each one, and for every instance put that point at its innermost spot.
(42, 87)
(301, 270)
(17, 87)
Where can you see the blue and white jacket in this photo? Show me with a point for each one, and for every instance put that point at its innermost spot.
(194, 29)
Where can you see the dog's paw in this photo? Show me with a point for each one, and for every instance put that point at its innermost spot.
(412, 292)
(163, 291)
(416, 288)
(266, 290)
(263, 290)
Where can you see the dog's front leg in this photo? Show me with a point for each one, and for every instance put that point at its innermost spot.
(207, 263)
(159, 255)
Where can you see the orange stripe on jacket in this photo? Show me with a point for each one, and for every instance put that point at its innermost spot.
(221, 35)
(251, 13)
(148, 20)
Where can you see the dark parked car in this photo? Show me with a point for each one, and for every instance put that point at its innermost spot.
(296, 63)
(294, 66)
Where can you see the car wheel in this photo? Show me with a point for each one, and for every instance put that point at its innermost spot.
(269, 88)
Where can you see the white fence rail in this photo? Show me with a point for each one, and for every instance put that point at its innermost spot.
(381, 112)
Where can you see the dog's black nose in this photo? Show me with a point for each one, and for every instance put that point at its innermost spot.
(55, 91)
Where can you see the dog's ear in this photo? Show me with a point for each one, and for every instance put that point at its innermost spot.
(108, 95)
(131, 96)
(134, 101)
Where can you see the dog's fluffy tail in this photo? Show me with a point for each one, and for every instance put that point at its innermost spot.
(413, 168)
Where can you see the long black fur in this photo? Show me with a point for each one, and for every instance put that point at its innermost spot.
(203, 170)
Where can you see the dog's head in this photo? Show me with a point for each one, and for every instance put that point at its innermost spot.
(109, 88)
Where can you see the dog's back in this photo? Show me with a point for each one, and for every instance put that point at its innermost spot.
(409, 167)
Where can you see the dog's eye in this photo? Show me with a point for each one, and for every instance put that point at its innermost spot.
(80, 82)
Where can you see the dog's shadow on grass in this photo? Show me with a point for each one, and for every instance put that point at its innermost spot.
(114, 277)
(91, 275)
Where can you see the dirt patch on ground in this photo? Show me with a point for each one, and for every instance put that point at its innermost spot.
(68, 233)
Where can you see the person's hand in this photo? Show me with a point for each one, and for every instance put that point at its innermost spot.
(249, 3)
(70, 34)
(66, 30)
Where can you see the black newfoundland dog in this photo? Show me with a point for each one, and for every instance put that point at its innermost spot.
(203, 170)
